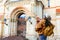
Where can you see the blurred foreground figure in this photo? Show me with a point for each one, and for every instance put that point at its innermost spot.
(44, 28)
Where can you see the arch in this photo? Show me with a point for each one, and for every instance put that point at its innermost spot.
(17, 10)
(13, 18)
(24, 9)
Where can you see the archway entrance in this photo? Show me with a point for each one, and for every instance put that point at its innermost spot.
(15, 25)
(21, 25)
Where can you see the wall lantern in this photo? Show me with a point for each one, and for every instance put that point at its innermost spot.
(5, 20)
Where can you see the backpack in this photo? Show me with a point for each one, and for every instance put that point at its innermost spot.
(48, 31)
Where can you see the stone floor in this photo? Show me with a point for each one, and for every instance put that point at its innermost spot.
(14, 38)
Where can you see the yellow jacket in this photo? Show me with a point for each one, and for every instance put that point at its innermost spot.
(40, 27)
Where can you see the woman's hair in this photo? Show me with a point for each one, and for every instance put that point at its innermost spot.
(47, 22)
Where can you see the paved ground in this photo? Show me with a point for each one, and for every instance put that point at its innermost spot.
(14, 38)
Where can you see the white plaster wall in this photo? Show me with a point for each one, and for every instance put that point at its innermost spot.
(58, 28)
(53, 3)
(37, 10)
(57, 2)
(30, 30)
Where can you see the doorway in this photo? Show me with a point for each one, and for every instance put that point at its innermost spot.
(21, 25)
(17, 29)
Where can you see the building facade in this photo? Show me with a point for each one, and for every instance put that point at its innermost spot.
(10, 9)
(9, 12)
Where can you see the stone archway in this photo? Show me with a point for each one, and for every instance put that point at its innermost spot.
(13, 20)
(21, 25)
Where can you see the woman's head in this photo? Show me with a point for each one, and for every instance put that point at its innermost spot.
(47, 20)
(48, 17)
(38, 19)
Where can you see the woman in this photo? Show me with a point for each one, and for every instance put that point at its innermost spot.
(41, 26)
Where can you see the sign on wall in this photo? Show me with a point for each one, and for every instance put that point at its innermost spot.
(57, 12)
